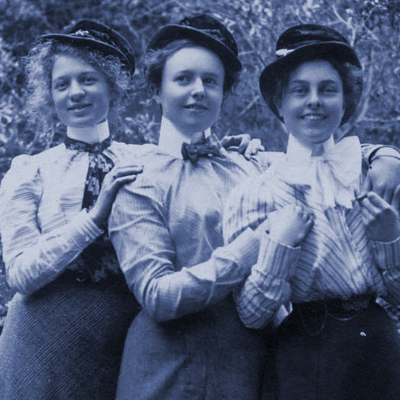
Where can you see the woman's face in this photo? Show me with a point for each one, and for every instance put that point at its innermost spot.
(80, 92)
(191, 91)
(312, 106)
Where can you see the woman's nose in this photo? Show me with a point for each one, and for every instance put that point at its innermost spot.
(76, 91)
(313, 98)
(198, 88)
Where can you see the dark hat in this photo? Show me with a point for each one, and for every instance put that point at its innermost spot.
(300, 43)
(205, 29)
(98, 37)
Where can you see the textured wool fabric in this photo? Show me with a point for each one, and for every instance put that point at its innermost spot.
(350, 359)
(65, 341)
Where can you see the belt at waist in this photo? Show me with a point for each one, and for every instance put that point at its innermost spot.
(334, 306)
(313, 315)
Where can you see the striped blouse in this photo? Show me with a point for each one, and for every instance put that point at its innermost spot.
(43, 226)
(335, 260)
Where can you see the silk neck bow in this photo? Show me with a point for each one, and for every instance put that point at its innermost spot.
(333, 174)
(99, 166)
(208, 147)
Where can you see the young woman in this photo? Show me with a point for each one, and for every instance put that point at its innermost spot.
(188, 342)
(326, 253)
(64, 333)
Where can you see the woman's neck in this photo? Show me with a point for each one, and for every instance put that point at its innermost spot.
(171, 139)
(90, 134)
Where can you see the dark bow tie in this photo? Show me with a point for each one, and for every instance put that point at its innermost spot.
(99, 166)
(95, 148)
(209, 147)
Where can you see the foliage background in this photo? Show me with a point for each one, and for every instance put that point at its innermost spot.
(372, 26)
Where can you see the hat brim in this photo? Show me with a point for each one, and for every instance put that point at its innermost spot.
(339, 51)
(171, 33)
(92, 43)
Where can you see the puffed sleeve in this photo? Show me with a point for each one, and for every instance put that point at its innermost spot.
(139, 231)
(34, 259)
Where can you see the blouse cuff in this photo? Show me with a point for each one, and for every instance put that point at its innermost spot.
(276, 259)
(83, 229)
(388, 254)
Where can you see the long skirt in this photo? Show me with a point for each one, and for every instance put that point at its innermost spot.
(335, 356)
(209, 355)
(65, 341)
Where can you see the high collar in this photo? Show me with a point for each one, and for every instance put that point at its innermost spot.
(171, 138)
(90, 134)
(298, 152)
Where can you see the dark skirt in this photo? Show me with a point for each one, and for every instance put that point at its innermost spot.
(65, 341)
(208, 355)
(335, 356)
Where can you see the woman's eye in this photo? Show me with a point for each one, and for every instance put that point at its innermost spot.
(330, 89)
(182, 78)
(89, 80)
(210, 81)
(60, 85)
(298, 90)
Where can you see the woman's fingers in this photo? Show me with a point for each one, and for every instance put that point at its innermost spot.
(380, 218)
(117, 177)
(245, 144)
(120, 175)
(396, 199)
(253, 148)
(121, 171)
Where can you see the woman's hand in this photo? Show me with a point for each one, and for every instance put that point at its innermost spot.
(383, 176)
(245, 144)
(290, 225)
(380, 218)
(118, 176)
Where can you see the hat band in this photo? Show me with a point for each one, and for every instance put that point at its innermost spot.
(286, 51)
(215, 33)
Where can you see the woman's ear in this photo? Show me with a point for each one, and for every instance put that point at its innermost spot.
(156, 94)
(278, 105)
(344, 109)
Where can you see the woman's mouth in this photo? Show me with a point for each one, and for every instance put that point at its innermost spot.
(196, 107)
(313, 117)
(79, 107)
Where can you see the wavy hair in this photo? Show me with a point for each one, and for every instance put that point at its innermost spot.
(39, 65)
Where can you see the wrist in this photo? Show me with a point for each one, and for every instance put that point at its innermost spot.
(98, 218)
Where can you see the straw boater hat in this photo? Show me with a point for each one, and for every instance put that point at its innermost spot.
(99, 37)
(207, 31)
(301, 43)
